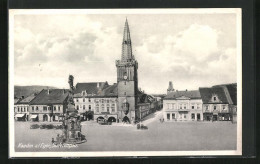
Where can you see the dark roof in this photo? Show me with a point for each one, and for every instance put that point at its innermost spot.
(111, 90)
(207, 93)
(194, 94)
(56, 96)
(90, 88)
(16, 100)
(232, 89)
(27, 99)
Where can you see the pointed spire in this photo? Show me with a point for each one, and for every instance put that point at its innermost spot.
(126, 44)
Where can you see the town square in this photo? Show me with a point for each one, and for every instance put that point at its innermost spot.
(110, 86)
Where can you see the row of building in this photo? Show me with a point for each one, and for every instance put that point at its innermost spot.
(216, 103)
(92, 100)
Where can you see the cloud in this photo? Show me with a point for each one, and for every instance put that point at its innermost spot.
(49, 48)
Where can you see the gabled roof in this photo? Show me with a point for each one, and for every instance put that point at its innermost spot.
(55, 96)
(232, 89)
(90, 88)
(207, 93)
(194, 94)
(27, 100)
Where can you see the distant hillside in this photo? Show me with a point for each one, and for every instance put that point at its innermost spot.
(28, 90)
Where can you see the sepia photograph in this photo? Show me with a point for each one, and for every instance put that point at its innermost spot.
(125, 82)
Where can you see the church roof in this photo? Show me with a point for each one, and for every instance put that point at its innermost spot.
(55, 96)
(193, 94)
(207, 93)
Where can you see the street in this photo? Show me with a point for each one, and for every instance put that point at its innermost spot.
(167, 136)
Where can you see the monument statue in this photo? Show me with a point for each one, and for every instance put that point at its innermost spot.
(71, 131)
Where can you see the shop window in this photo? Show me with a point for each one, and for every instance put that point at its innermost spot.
(168, 116)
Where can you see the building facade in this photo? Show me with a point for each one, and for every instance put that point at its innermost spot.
(49, 105)
(215, 104)
(21, 108)
(182, 106)
(96, 100)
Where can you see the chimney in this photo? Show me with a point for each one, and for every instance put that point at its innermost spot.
(48, 91)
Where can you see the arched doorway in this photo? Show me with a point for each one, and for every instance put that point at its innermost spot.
(111, 119)
(45, 117)
(89, 115)
(126, 119)
(100, 118)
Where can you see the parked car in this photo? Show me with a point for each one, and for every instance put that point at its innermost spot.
(142, 127)
(34, 126)
(104, 122)
(50, 126)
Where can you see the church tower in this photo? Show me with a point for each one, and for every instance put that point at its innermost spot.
(127, 80)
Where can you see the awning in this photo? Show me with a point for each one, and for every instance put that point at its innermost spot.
(19, 115)
(34, 116)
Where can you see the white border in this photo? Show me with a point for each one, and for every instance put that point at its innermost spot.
(14, 12)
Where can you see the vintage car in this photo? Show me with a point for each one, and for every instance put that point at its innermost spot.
(42, 126)
(104, 122)
(142, 127)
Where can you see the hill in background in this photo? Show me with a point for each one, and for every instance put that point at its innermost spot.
(25, 91)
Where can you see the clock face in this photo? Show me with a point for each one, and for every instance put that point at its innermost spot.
(125, 77)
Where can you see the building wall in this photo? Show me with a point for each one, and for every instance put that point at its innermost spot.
(22, 109)
(216, 112)
(51, 113)
(182, 110)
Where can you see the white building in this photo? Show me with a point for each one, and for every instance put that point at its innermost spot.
(182, 106)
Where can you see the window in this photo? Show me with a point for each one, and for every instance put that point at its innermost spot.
(224, 107)
(77, 100)
(103, 107)
(173, 115)
(207, 107)
(83, 107)
(215, 107)
(113, 107)
(89, 107)
(107, 109)
(18, 109)
(192, 107)
(107, 101)
(168, 116)
(49, 107)
(54, 108)
(184, 115)
(59, 108)
(83, 99)
(33, 108)
(193, 116)
(37, 108)
(102, 101)
(180, 106)
(89, 100)
(77, 107)
(215, 98)
(184, 106)
(97, 108)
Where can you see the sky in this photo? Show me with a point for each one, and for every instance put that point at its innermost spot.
(191, 50)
